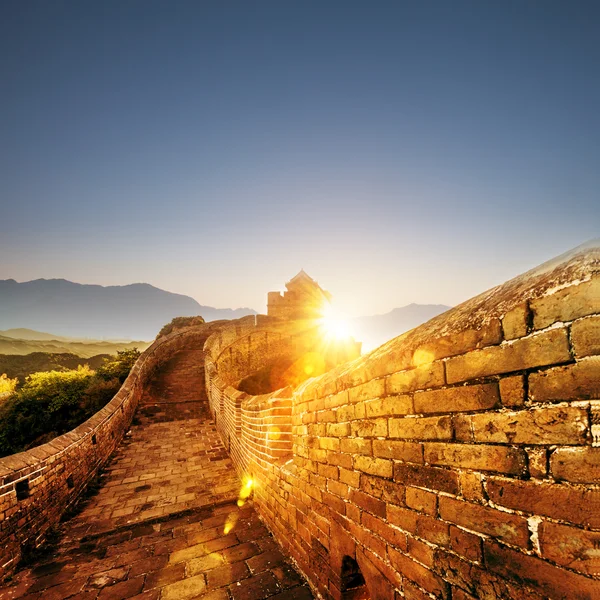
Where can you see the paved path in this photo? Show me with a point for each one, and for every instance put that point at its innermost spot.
(164, 524)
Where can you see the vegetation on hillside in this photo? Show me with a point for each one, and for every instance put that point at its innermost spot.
(51, 403)
(180, 323)
(7, 386)
(86, 349)
(15, 365)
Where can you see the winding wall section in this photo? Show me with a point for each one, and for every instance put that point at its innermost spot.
(456, 461)
(461, 460)
(38, 487)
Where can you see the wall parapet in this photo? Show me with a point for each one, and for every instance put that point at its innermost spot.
(456, 461)
(39, 485)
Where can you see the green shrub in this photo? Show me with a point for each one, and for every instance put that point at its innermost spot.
(51, 403)
(119, 367)
(7, 386)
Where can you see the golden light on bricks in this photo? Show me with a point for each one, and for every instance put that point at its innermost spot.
(274, 433)
(422, 357)
(245, 491)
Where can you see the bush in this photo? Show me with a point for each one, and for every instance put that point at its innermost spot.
(119, 367)
(7, 386)
(180, 323)
(51, 403)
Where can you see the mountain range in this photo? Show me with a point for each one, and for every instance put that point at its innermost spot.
(375, 330)
(137, 312)
(133, 312)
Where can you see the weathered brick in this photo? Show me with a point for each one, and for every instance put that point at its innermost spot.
(351, 478)
(372, 389)
(329, 443)
(368, 503)
(421, 500)
(389, 406)
(419, 574)
(370, 428)
(421, 428)
(393, 492)
(357, 446)
(340, 399)
(585, 336)
(420, 551)
(514, 322)
(512, 390)
(466, 544)
(338, 429)
(419, 378)
(328, 471)
(432, 478)
(374, 466)
(497, 459)
(538, 462)
(457, 399)
(565, 503)
(394, 536)
(339, 459)
(488, 334)
(568, 304)
(578, 465)
(542, 576)
(546, 348)
(548, 425)
(500, 525)
(480, 582)
(578, 381)
(433, 530)
(471, 486)
(405, 451)
(339, 488)
(461, 424)
(402, 517)
(570, 547)
(186, 588)
(345, 413)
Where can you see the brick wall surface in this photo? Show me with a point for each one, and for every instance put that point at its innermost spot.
(38, 486)
(460, 460)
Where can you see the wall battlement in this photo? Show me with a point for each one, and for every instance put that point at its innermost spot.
(456, 461)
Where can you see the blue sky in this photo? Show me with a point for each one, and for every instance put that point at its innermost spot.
(397, 151)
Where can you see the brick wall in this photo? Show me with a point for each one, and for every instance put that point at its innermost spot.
(38, 486)
(457, 461)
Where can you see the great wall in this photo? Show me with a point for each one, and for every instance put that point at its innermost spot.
(460, 460)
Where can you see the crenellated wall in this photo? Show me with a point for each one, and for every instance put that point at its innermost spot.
(38, 486)
(460, 460)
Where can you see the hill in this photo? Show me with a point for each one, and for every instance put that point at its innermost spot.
(21, 333)
(375, 330)
(82, 349)
(136, 311)
(21, 366)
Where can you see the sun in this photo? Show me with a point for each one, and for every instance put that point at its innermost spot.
(334, 325)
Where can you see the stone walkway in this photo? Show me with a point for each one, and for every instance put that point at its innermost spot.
(164, 524)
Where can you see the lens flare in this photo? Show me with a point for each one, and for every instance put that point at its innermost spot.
(334, 325)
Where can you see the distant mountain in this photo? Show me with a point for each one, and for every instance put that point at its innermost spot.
(375, 330)
(136, 311)
(21, 366)
(21, 333)
(86, 349)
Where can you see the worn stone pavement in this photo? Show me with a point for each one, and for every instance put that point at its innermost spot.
(163, 524)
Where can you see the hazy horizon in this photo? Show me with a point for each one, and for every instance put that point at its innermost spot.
(397, 152)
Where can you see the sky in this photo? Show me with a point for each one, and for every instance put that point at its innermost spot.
(398, 152)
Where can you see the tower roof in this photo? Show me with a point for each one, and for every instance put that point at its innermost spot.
(302, 277)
